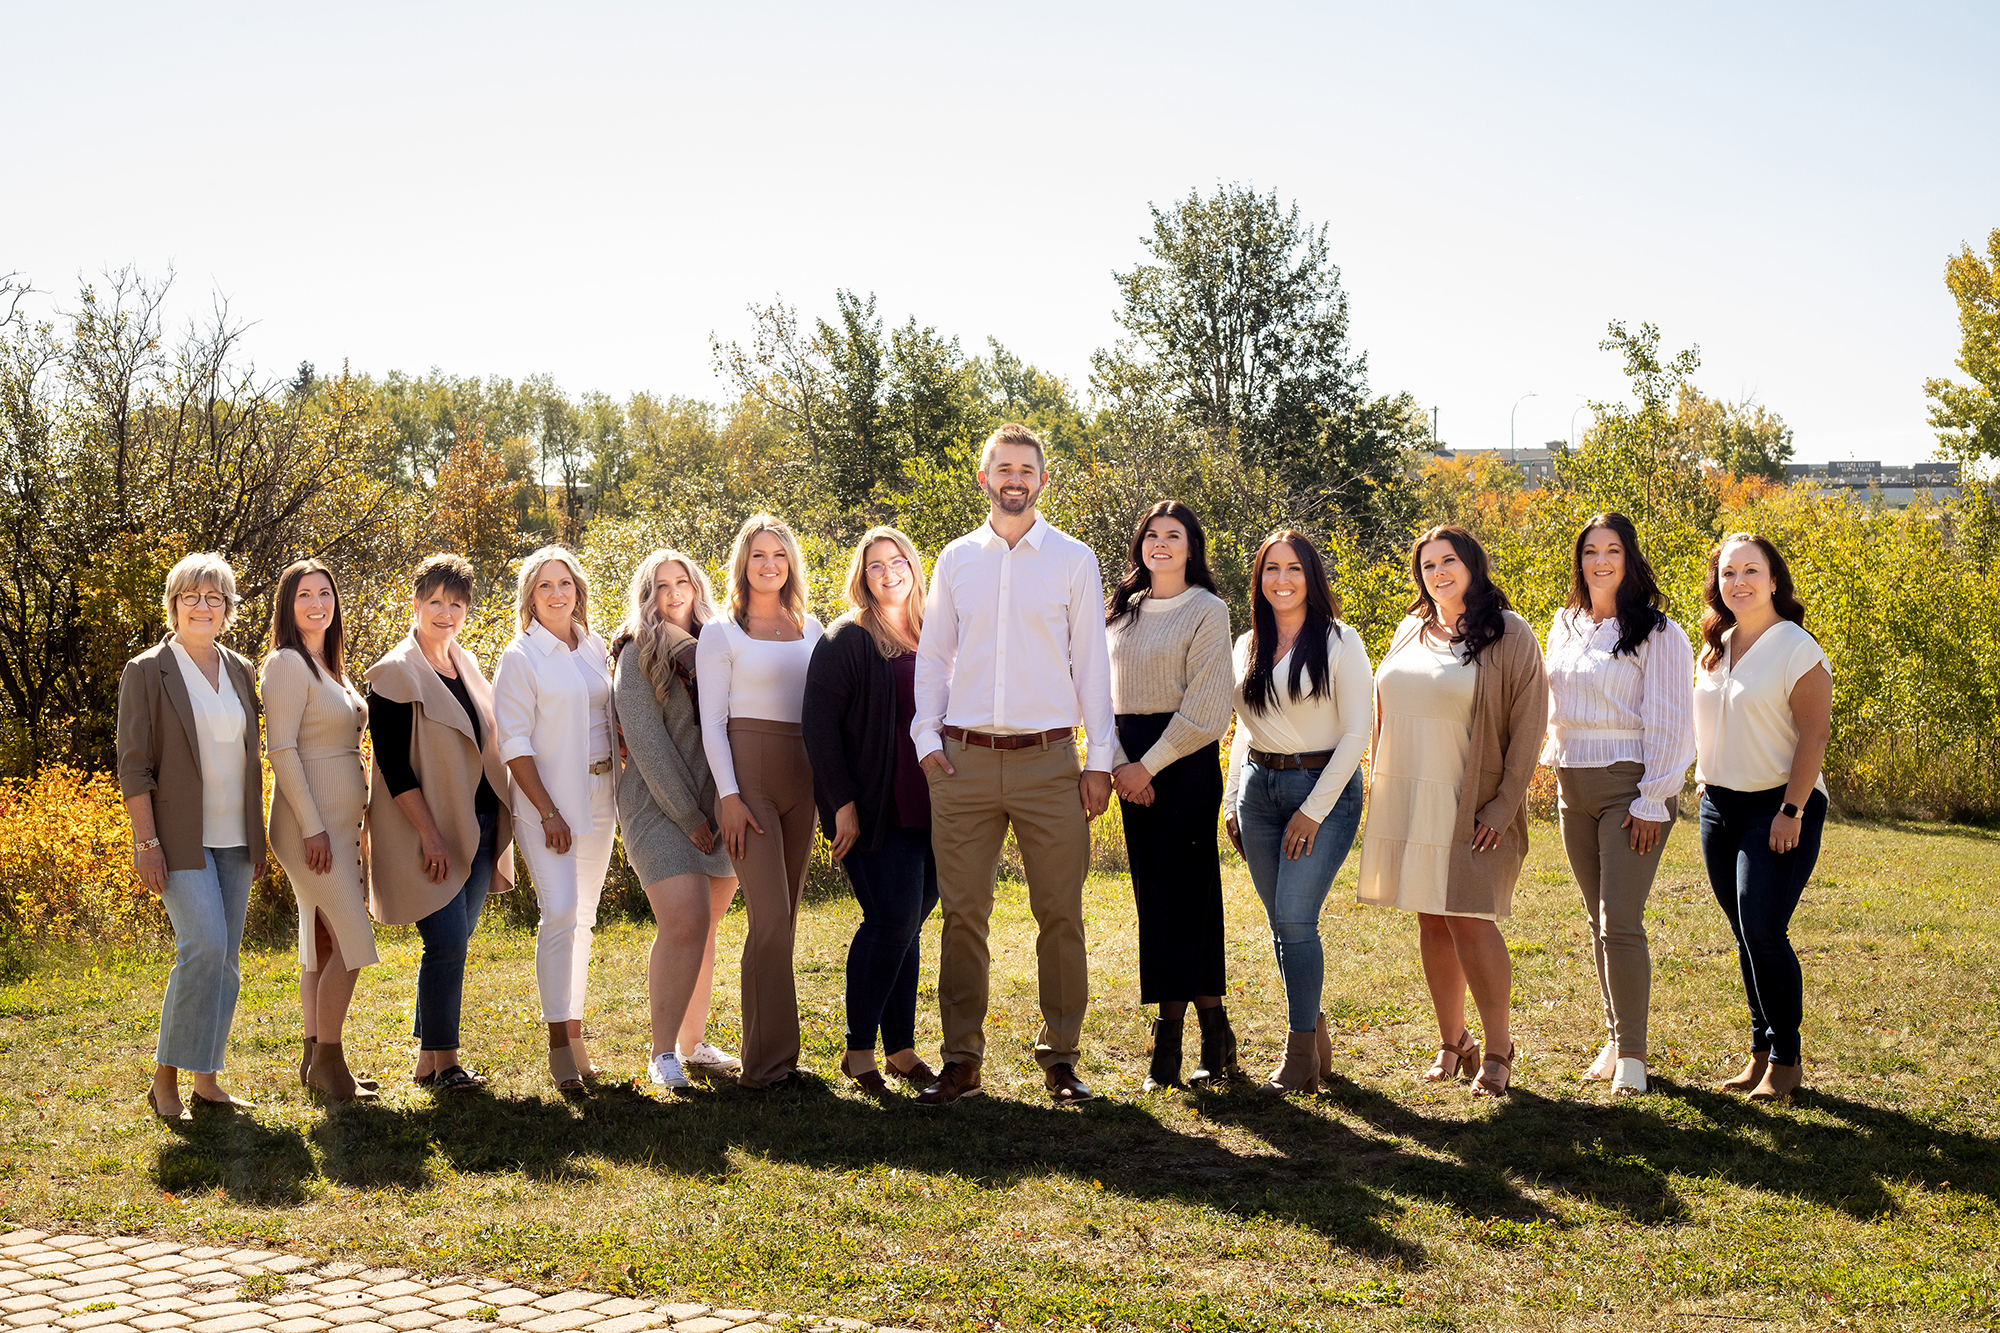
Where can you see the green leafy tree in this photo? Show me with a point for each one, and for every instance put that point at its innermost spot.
(1743, 439)
(1636, 457)
(1967, 416)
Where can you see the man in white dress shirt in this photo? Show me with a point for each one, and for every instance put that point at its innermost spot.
(1012, 659)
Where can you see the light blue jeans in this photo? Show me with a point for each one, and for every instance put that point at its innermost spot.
(207, 908)
(1294, 891)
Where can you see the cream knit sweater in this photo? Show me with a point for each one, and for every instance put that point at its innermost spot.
(1173, 657)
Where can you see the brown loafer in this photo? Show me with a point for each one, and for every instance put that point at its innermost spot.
(1065, 1087)
(918, 1075)
(870, 1081)
(957, 1080)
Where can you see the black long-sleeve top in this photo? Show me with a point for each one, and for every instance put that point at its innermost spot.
(852, 723)
(389, 726)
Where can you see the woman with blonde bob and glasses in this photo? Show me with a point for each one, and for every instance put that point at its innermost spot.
(559, 738)
(666, 807)
(189, 771)
(861, 696)
(752, 666)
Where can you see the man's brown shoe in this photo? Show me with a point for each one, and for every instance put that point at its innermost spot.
(1065, 1087)
(957, 1080)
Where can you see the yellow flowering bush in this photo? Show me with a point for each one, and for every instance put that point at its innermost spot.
(66, 862)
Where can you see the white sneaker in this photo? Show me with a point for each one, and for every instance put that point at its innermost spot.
(1605, 1066)
(711, 1060)
(665, 1071)
(1630, 1080)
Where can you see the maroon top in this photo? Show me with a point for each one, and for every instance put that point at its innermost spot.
(913, 794)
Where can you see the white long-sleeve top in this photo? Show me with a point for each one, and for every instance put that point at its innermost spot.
(544, 695)
(1606, 709)
(1338, 720)
(1014, 642)
(744, 677)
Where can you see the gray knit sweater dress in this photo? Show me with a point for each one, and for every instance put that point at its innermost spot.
(665, 791)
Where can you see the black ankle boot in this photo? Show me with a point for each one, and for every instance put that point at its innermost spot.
(1218, 1047)
(1165, 1071)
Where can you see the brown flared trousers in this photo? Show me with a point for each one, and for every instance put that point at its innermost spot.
(774, 778)
(1615, 881)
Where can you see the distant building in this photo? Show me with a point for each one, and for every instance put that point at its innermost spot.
(1897, 483)
(1537, 466)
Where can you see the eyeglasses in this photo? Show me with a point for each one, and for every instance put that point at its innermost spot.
(214, 599)
(875, 569)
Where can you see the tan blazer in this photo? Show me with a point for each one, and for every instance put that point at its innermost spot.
(157, 752)
(448, 767)
(1510, 716)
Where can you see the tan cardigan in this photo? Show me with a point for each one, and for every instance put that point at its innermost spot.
(1510, 715)
(157, 752)
(448, 768)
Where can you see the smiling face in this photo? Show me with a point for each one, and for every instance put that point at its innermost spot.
(1013, 477)
(200, 612)
(439, 616)
(554, 596)
(1603, 563)
(1164, 547)
(1446, 578)
(673, 594)
(768, 566)
(1743, 577)
(1282, 579)
(314, 605)
(887, 570)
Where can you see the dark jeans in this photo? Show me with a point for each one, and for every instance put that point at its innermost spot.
(897, 887)
(441, 970)
(1759, 889)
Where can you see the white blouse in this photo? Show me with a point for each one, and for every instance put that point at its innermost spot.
(218, 740)
(745, 677)
(1606, 709)
(554, 703)
(1745, 738)
(1338, 720)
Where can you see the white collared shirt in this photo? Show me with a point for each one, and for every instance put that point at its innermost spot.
(219, 723)
(1607, 708)
(1014, 641)
(543, 694)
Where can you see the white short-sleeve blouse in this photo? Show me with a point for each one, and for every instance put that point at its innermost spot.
(1743, 730)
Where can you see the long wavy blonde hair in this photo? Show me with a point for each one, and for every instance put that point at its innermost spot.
(645, 626)
(859, 596)
(792, 597)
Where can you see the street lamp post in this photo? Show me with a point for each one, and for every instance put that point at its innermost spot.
(1572, 424)
(1512, 454)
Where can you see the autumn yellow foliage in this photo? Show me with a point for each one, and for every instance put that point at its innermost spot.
(66, 862)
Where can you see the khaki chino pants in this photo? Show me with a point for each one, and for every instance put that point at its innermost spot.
(1615, 881)
(1034, 790)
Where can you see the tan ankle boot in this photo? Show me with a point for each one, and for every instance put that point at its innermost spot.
(1300, 1071)
(1752, 1075)
(330, 1079)
(1779, 1082)
(1323, 1044)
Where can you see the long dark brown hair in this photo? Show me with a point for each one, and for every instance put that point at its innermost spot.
(1484, 620)
(1718, 619)
(1139, 579)
(285, 623)
(1309, 650)
(1641, 604)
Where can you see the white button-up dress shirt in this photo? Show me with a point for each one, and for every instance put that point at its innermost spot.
(1014, 642)
(542, 707)
(1607, 708)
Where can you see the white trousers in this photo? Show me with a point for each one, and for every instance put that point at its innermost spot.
(568, 887)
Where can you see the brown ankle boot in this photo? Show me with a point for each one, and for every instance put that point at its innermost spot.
(306, 1063)
(1779, 1082)
(1752, 1075)
(1323, 1043)
(1300, 1071)
(329, 1077)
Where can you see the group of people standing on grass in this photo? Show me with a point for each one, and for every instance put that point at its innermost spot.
(920, 728)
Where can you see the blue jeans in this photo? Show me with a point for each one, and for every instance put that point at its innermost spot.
(441, 970)
(897, 888)
(1759, 889)
(1294, 891)
(207, 908)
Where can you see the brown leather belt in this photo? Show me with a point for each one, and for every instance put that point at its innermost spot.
(1023, 742)
(1312, 760)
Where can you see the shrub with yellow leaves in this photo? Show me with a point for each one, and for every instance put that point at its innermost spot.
(66, 863)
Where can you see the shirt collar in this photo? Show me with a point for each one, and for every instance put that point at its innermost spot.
(538, 635)
(1033, 537)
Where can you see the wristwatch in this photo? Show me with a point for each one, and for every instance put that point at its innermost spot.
(1788, 810)
(146, 846)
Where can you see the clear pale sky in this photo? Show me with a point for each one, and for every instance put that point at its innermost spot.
(591, 190)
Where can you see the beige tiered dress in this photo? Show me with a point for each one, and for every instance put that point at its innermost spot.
(1423, 694)
(312, 736)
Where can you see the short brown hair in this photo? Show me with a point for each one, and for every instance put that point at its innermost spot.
(448, 574)
(1014, 433)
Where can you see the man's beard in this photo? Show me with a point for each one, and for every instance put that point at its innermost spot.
(1013, 504)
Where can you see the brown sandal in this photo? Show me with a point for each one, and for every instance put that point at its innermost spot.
(1465, 1054)
(1482, 1086)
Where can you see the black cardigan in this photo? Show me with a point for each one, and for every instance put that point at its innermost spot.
(850, 728)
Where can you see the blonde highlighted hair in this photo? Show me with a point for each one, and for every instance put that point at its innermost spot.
(645, 626)
(203, 569)
(792, 597)
(531, 570)
(861, 597)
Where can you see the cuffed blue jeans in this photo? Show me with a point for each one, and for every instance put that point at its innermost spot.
(1294, 891)
(1758, 890)
(207, 907)
(897, 887)
(441, 970)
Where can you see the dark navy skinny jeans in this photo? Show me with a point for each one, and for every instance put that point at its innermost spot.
(897, 888)
(1759, 889)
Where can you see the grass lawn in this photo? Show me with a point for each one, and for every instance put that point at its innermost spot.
(1383, 1204)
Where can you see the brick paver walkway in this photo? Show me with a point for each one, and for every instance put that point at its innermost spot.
(134, 1284)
